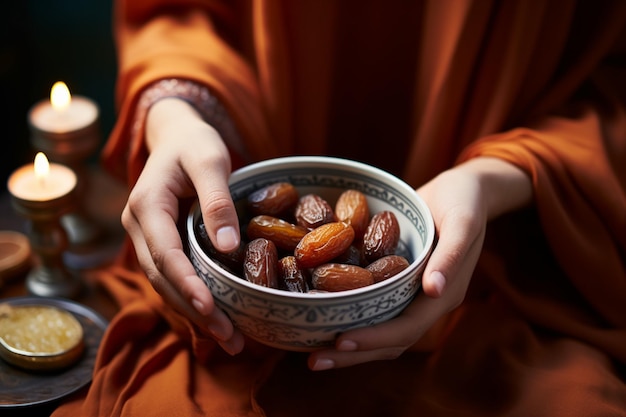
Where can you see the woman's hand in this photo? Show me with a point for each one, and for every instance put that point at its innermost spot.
(187, 158)
(461, 200)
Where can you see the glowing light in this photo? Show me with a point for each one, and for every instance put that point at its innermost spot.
(42, 167)
(60, 96)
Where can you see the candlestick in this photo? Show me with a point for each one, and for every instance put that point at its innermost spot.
(67, 129)
(42, 193)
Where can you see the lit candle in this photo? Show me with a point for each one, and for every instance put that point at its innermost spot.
(63, 113)
(41, 181)
(43, 192)
(67, 129)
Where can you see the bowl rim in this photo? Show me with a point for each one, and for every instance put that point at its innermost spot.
(336, 162)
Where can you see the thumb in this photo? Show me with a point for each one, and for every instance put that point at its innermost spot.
(217, 208)
(455, 250)
(220, 219)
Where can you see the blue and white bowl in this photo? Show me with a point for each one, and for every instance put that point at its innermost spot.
(310, 321)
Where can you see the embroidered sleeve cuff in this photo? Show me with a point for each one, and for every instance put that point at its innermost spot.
(200, 97)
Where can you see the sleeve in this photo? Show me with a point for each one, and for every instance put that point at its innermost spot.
(183, 40)
(576, 159)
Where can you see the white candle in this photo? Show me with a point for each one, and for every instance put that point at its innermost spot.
(63, 113)
(41, 181)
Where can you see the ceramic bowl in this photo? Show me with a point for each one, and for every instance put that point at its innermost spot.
(309, 321)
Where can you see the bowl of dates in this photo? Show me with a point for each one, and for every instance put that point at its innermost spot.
(328, 245)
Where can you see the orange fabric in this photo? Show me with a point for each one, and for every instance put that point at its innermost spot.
(537, 83)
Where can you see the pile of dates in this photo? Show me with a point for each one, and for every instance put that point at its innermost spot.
(301, 244)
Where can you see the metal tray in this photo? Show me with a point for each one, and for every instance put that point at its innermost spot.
(21, 388)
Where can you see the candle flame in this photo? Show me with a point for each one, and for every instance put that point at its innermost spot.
(42, 167)
(60, 96)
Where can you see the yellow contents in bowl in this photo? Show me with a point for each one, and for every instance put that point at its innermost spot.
(39, 337)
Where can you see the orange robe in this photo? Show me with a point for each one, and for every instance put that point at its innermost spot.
(414, 88)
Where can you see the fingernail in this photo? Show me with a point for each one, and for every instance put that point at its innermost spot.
(323, 364)
(218, 332)
(198, 306)
(227, 238)
(438, 280)
(227, 348)
(347, 346)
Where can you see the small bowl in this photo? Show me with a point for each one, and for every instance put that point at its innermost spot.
(39, 337)
(15, 255)
(309, 321)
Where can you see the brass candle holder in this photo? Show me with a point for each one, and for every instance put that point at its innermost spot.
(43, 201)
(70, 135)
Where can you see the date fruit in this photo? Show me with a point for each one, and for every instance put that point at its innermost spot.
(324, 243)
(285, 235)
(231, 261)
(387, 266)
(322, 248)
(340, 277)
(291, 277)
(352, 256)
(260, 265)
(382, 236)
(352, 208)
(274, 199)
(313, 211)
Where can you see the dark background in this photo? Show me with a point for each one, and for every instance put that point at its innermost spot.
(44, 41)
(41, 42)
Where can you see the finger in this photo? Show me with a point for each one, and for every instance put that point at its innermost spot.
(383, 341)
(402, 331)
(215, 322)
(320, 362)
(457, 239)
(159, 249)
(210, 180)
(207, 316)
(149, 254)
